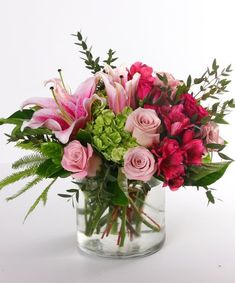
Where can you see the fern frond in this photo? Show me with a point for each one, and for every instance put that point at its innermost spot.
(28, 186)
(28, 145)
(29, 161)
(17, 176)
(42, 197)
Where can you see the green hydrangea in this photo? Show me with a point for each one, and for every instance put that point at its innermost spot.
(109, 136)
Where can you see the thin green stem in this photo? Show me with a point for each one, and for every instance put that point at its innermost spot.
(123, 227)
(155, 227)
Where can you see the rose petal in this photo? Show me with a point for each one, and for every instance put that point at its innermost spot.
(145, 139)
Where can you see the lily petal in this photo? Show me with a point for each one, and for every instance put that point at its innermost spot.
(41, 102)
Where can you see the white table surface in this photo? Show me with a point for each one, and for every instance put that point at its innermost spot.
(200, 244)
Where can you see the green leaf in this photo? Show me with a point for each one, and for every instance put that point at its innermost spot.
(117, 197)
(198, 80)
(72, 191)
(28, 161)
(17, 177)
(18, 117)
(28, 145)
(189, 81)
(53, 150)
(206, 174)
(48, 168)
(25, 114)
(210, 197)
(215, 146)
(225, 157)
(79, 36)
(64, 195)
(219, 120)
(42, 197)
(214, 65)
(207, 159)
(28, 186)
(12, 121)
(84, 137)
(62, 173)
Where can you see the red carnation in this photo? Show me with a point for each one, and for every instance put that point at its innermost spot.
(146, 79)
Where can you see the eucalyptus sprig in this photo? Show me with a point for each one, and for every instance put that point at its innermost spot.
(91, 62)
(213, 82)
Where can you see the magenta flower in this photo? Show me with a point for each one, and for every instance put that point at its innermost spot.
(121, 92)
(193, 148)
(146, 79)
(170, 163)
(66, 113)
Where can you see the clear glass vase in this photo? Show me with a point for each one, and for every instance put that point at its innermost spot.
(117, 231)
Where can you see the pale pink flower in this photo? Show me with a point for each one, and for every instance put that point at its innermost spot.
(139, 164)
(144, 124)
(121, 92)
(80, 160)
(210, 132)
(172, 83)
(66, 113)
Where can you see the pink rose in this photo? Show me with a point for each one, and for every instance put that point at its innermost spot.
(80, 160)
(144, 125)
(146, 79)
(211, 133)
(139, 164)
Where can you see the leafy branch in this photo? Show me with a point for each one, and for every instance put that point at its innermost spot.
(91, 62)
(72, 193)
(213, 82)
(42, 197)
(110, 58)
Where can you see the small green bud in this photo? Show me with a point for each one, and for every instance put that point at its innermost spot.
(98, 129)
(108, 116)
(99, 121)
(106, 140)
(108, 130)
(116, 137)
(98, 143)
(117, 154)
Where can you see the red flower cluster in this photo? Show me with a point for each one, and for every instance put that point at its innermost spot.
(173, 157)
(181, 146)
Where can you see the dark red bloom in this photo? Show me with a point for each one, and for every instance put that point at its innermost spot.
(170, 163)
(192, 109)
(175, 120)
(193, 149)
(146, 79)
(176, 183)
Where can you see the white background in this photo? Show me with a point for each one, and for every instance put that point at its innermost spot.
(180, 37)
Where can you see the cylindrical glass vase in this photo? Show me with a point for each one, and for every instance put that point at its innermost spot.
(133, 229)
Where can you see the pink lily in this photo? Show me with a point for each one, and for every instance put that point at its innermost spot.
(66, 113)
(120, 91)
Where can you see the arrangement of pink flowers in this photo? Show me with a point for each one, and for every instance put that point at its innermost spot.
(140, 122)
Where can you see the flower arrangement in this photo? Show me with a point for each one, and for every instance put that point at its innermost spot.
(121, 128)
